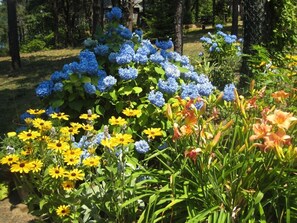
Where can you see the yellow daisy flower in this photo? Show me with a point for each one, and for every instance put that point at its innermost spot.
(36, 111)
(27, 135)
(42, 124)
(71, 160)
(21, 167)
(123, 139)
(56, 172)
(117, 121)
(153, 132)
(36, 165)
(75, 174)
(131, 112)
(75, 125)
(109, 142)
(28, 121)
(68, 185)
(87, 127)
(60, 116)
(26, 152)
(10, 159)
(63, 210)
(59, 146)
(69, 130)
(92, 161)
(89, 117)
(73, 152)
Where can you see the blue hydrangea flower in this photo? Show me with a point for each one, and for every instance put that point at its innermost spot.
(170, 86)
(148, 47)
(140, 58)
(90, 88)
(142, 146)
(122, 59)
(138, 32)
(59, 76)
(190, 90)
(206, 40)
(171, 70)
(44, 89)
(113, 57)
(115, 13)
(157, 58)
(219, 26)
(229, 92)
(109, 81)
(156, 98)
(205, 89)
(220, 33)
(58, 87)
(124, 32)
(164, 45)
(128, 73)
(101, 50)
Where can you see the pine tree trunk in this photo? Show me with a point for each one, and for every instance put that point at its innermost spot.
(234, 30)
(97, 16)
(14, 48)
(178, 22)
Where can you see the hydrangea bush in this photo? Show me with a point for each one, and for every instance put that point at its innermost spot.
(223, 51)
(121, 69)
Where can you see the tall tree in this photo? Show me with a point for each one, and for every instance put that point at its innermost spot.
(13, 38)
(98, 15)
(234, 30)
(178, 24)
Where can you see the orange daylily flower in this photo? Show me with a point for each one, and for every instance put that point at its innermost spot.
(281, 119)
(277, 139)
(176, 133)
(280, 95)
(192, 154)
(260, 130)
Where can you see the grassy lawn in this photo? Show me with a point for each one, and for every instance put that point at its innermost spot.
(17, 88)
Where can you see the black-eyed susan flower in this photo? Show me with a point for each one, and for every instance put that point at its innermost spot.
(153, 132)
(21, 167)
(131, 112)
(73, 152)
(68, 185)
(59, 146)
(92, 161)
(89, 117)
(60, 116)
(27, 135)
(75, 174)
(69, 130)
(87, 127)
(56, 172)
(117, 121)
(109, 142)
(10, 159)
(36, 111)
(71, 160)
(63, 210)
(123, 139)
(42, 124)
(36, 165)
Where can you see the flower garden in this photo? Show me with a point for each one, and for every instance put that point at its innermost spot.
(133, 132)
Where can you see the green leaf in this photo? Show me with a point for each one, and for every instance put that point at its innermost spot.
(86, 79)
(159, 70)
(3, 191)
(183, 70)
(137, 90)
(126, 90)
(76, 105)
(119, 106)
(113, 95)
(57, 103)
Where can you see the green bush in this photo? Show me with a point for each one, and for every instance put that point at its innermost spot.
(33, 46)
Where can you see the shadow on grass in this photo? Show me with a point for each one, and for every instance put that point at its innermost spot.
(17, 88)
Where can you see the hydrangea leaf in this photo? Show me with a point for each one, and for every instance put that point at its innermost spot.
(137, 90)
(3, 191)
(57, 103)
(183, 69)
(86, 79)
(159, 70)
(126, 90)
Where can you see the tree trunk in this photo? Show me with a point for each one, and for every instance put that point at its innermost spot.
(14, 49)
(56, 22)
(98, 15)
(178, 23)
(213, 12)
(234, 30)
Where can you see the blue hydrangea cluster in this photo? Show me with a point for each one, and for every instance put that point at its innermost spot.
(164, 45)
(129, 73)
(90, 88)
(142, 146)
(44, 89)
(169, 86)
(101, 50)
(156, 98)
(229, 94)
(114, 14)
